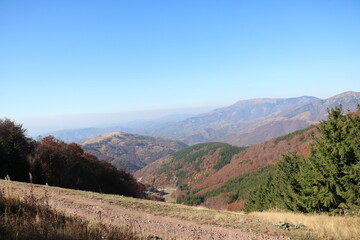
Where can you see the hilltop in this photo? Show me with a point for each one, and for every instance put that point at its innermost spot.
(130, 151)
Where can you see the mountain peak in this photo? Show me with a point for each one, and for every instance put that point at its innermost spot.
(346, 98)
(103, 137)
(274, 100)
(347, 94)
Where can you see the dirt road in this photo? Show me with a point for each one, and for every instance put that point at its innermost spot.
(149, 225)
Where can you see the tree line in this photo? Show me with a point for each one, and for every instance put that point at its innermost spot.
(57, 163)
(328, 180)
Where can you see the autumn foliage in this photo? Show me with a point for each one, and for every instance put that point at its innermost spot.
(15, 148)
(60, 164)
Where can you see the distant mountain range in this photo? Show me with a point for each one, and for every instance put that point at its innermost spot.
(253, 121)
(140, 127)
(239, 118)
(130, 151)
(244, 123)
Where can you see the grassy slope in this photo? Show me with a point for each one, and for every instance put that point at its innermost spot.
(316, 226)
(31, 218)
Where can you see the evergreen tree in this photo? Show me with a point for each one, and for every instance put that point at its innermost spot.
(334, 162)
(327, 180)
(286, 185)
(262, 197)
(282, 189)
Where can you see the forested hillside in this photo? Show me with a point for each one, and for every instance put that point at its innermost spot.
(59, 164)
(189, 165)
(219, 175)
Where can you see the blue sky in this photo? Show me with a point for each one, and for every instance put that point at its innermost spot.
(78, 57)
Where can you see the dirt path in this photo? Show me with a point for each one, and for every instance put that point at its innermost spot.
(147, 224)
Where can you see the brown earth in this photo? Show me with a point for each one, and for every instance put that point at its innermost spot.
(140, 218)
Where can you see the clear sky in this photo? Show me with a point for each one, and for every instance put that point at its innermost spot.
(75, 57)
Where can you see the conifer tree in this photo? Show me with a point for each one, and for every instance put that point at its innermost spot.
(327, 180)
(333, 175)
(286, 185)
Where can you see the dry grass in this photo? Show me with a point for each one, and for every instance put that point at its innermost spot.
(322, 226)
(168, 196)
(32, 218)
(200, 215)
(325, 227)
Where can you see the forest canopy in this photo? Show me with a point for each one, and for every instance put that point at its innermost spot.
(59, 164)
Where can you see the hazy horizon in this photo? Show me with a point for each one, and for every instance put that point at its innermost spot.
(45, 124)
(42, 125)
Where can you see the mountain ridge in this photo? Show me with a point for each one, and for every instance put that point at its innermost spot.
(302, 111)
(242, 123)
(130, 151)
